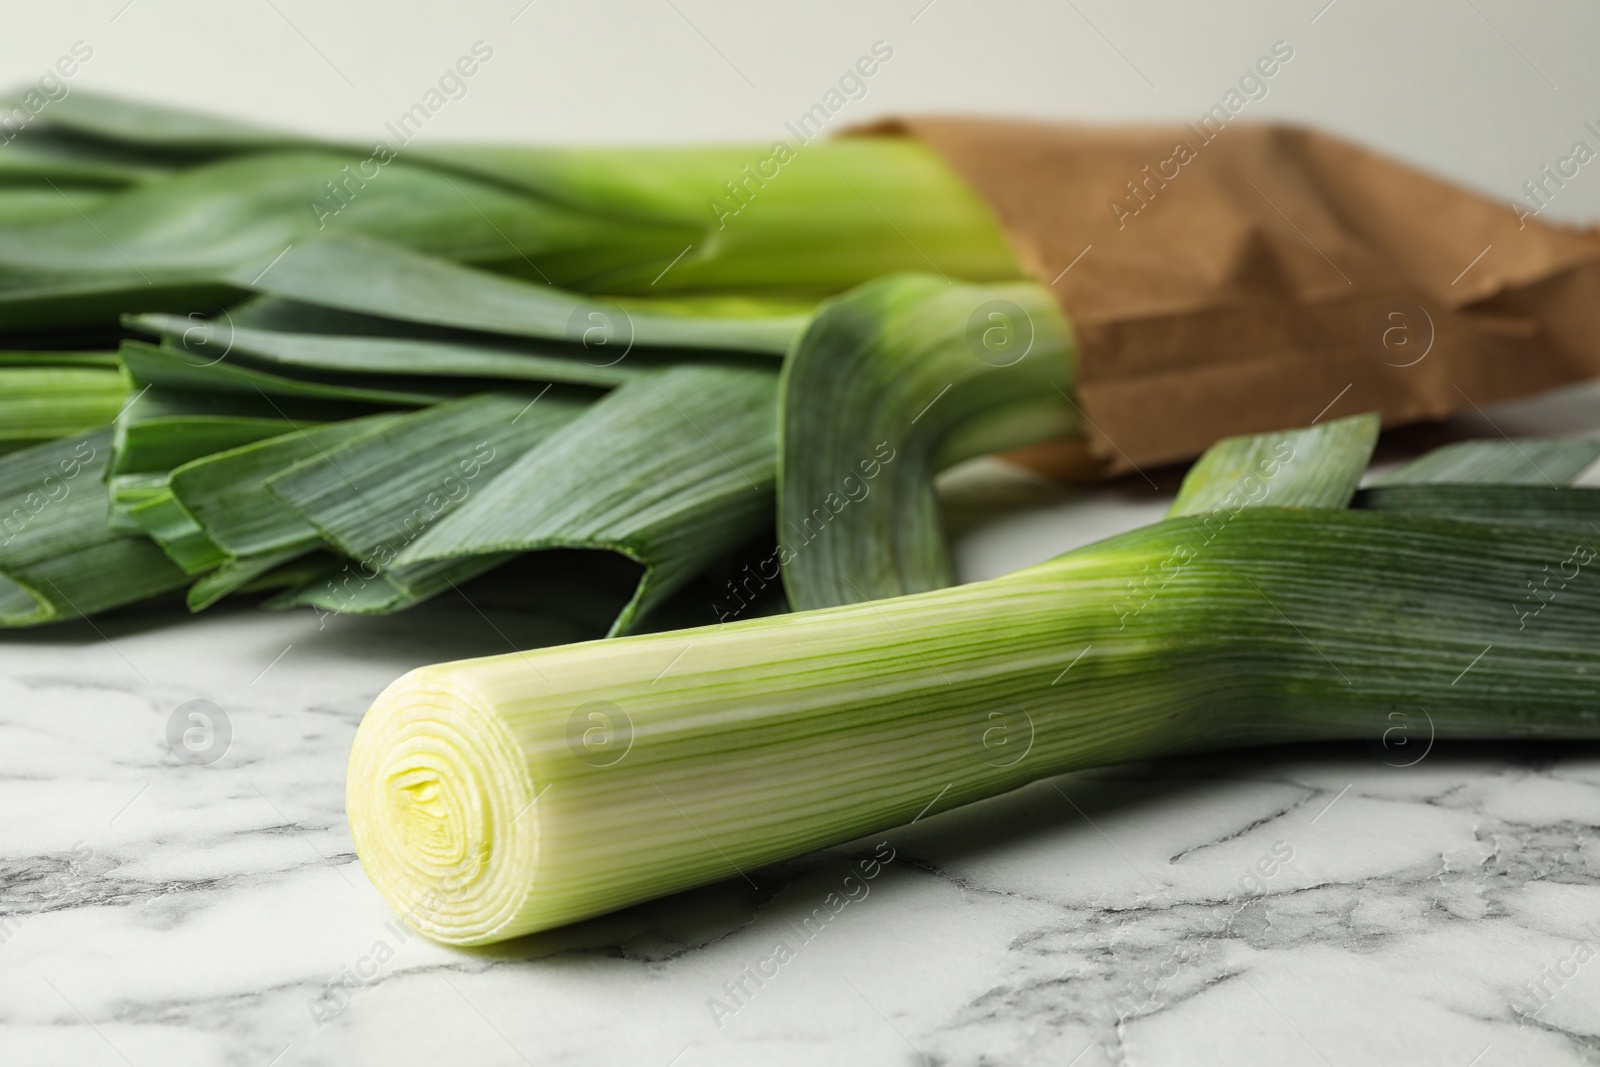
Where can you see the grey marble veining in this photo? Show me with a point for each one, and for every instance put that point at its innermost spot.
(1338, 904)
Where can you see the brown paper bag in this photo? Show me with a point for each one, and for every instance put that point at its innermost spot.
(1256, 277)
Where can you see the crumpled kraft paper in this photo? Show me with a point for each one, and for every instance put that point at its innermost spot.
(1243, 278)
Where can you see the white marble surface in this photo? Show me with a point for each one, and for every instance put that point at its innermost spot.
(1314, 905)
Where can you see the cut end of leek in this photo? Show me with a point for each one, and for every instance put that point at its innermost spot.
(440, 800)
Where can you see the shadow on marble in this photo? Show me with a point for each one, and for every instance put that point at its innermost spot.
(540, 599)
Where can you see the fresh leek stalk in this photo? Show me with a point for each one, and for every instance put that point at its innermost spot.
(495, 797)
(171, 211)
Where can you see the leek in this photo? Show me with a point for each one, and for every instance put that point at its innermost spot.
(177, 211)
(283, 304)
(495, 797)
(305, 353)
(286, 291)
(1316, 467)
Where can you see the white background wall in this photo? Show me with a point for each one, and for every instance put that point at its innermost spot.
(1485, 91)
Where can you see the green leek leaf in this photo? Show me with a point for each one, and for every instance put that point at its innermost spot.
(374, 496)
(366, 276)
(162, 428)
(57, 558)
(671, 470)
(359, 587)
(49, 165)
(822, 220)
(1313, 467)
(26, 204)
(164, 519)
(1523, 482)
(1556, 508)
(252, 573)
(155, 127)
(892, 382)
(295, 353)
(378, 494)
(1529, 461)
(227, 495)
(176, 369)
(17, 358)
(38, 403)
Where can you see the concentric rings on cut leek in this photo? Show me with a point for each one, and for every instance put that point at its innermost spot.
(440, 807)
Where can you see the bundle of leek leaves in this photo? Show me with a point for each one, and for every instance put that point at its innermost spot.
(240, 361)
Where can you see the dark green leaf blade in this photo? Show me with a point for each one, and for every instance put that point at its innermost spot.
(374, 278)
(161, 517)
(373, 496)
(1552, 507)
(156, 127)
(160, 429)
(242, 575)
(396, 356)
(175, 369)
(227, 495)
(57, 558)
(670, 470)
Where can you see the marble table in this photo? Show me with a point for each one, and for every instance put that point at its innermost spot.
(1318, 905)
